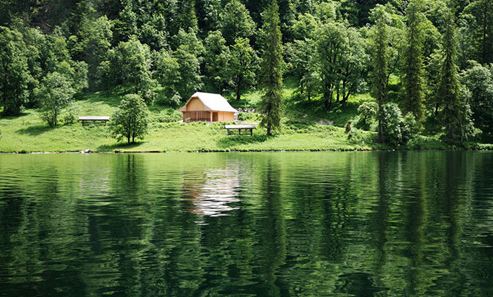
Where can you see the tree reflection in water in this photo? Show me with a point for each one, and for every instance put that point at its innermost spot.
(331, 224)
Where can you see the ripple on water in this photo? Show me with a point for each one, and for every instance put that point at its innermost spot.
(328, 224)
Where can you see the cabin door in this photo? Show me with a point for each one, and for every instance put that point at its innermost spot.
(215, 117)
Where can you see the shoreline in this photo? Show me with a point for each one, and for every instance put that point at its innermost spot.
(127, 152)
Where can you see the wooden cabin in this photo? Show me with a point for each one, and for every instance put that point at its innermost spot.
(206, 107)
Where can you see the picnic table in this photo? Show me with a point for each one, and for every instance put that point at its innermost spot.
(244, 127)
(94, 119)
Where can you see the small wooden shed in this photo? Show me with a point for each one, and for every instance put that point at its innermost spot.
(207, 107)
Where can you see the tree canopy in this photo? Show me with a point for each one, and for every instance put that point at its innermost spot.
(390, 51)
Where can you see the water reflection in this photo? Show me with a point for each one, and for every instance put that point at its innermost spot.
(215, 194)
(355, 224)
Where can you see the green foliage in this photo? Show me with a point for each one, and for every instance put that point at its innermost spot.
(476, 31)
(130, 121)
(342, 61)
(303, 66)
(272, 69)
(168, 116)
(14, 71)
(396, 129)
(189, 74)
(305, 26)
(379, 49)
(55, 93)
(92, 44)
(236, 22)
(166, 69)
(216, 62)
(131, 65)
(186, 15)
(189, 41)
(479, 80)
(70, 116)
(456, 112)
(243, 66)
(335, 51)
(380, 53)
(414, 84)
(367, 114)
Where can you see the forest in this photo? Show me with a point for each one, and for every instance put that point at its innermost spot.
(426, 66)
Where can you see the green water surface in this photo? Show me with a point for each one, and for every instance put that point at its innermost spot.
(280, 224)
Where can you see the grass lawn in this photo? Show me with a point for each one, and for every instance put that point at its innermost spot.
(303, 131)
(307, 127)
(29, 133)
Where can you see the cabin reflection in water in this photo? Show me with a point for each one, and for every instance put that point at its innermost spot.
(216, 193)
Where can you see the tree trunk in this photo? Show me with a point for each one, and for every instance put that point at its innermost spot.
(238, 88)
(328, 100)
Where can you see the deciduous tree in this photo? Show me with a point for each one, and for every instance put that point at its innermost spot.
(130, 121)
(243, 66)
(55, 93)
(14, 72)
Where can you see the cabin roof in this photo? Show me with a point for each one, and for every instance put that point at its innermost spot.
(212, 102)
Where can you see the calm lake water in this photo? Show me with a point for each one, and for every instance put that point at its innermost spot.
(281, 224)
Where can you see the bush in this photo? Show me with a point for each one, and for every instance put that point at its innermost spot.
(169, 116)
(409, 128)
(397, 130)
(70, 115)
(367, 113)
(130, 121)
(249, 116)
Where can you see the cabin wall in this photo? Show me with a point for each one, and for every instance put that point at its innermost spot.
(226, 117)
(195, 110)
(195, 105)
(197, 116)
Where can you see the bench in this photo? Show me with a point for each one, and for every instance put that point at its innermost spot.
(240, 128)
(94, 119)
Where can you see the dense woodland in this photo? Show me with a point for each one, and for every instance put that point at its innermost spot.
(428, 64)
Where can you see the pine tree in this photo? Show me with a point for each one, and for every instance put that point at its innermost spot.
(456, 113)
(272, 68)
(187, 16)
(413, 64)
(379, 49)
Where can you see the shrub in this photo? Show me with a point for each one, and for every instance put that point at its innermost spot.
(70, 116)
(397, 130)
(130, 121)
(249, 116)
(169, 116)
(367, 113)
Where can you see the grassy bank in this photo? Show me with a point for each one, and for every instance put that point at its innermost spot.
(314, 131)
(28, 133)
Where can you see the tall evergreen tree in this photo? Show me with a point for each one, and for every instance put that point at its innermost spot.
(187, 15)
(413, 63)
(272, 68)
(456, 113)
(379, 49)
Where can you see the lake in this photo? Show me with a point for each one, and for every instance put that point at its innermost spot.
(260, 224)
